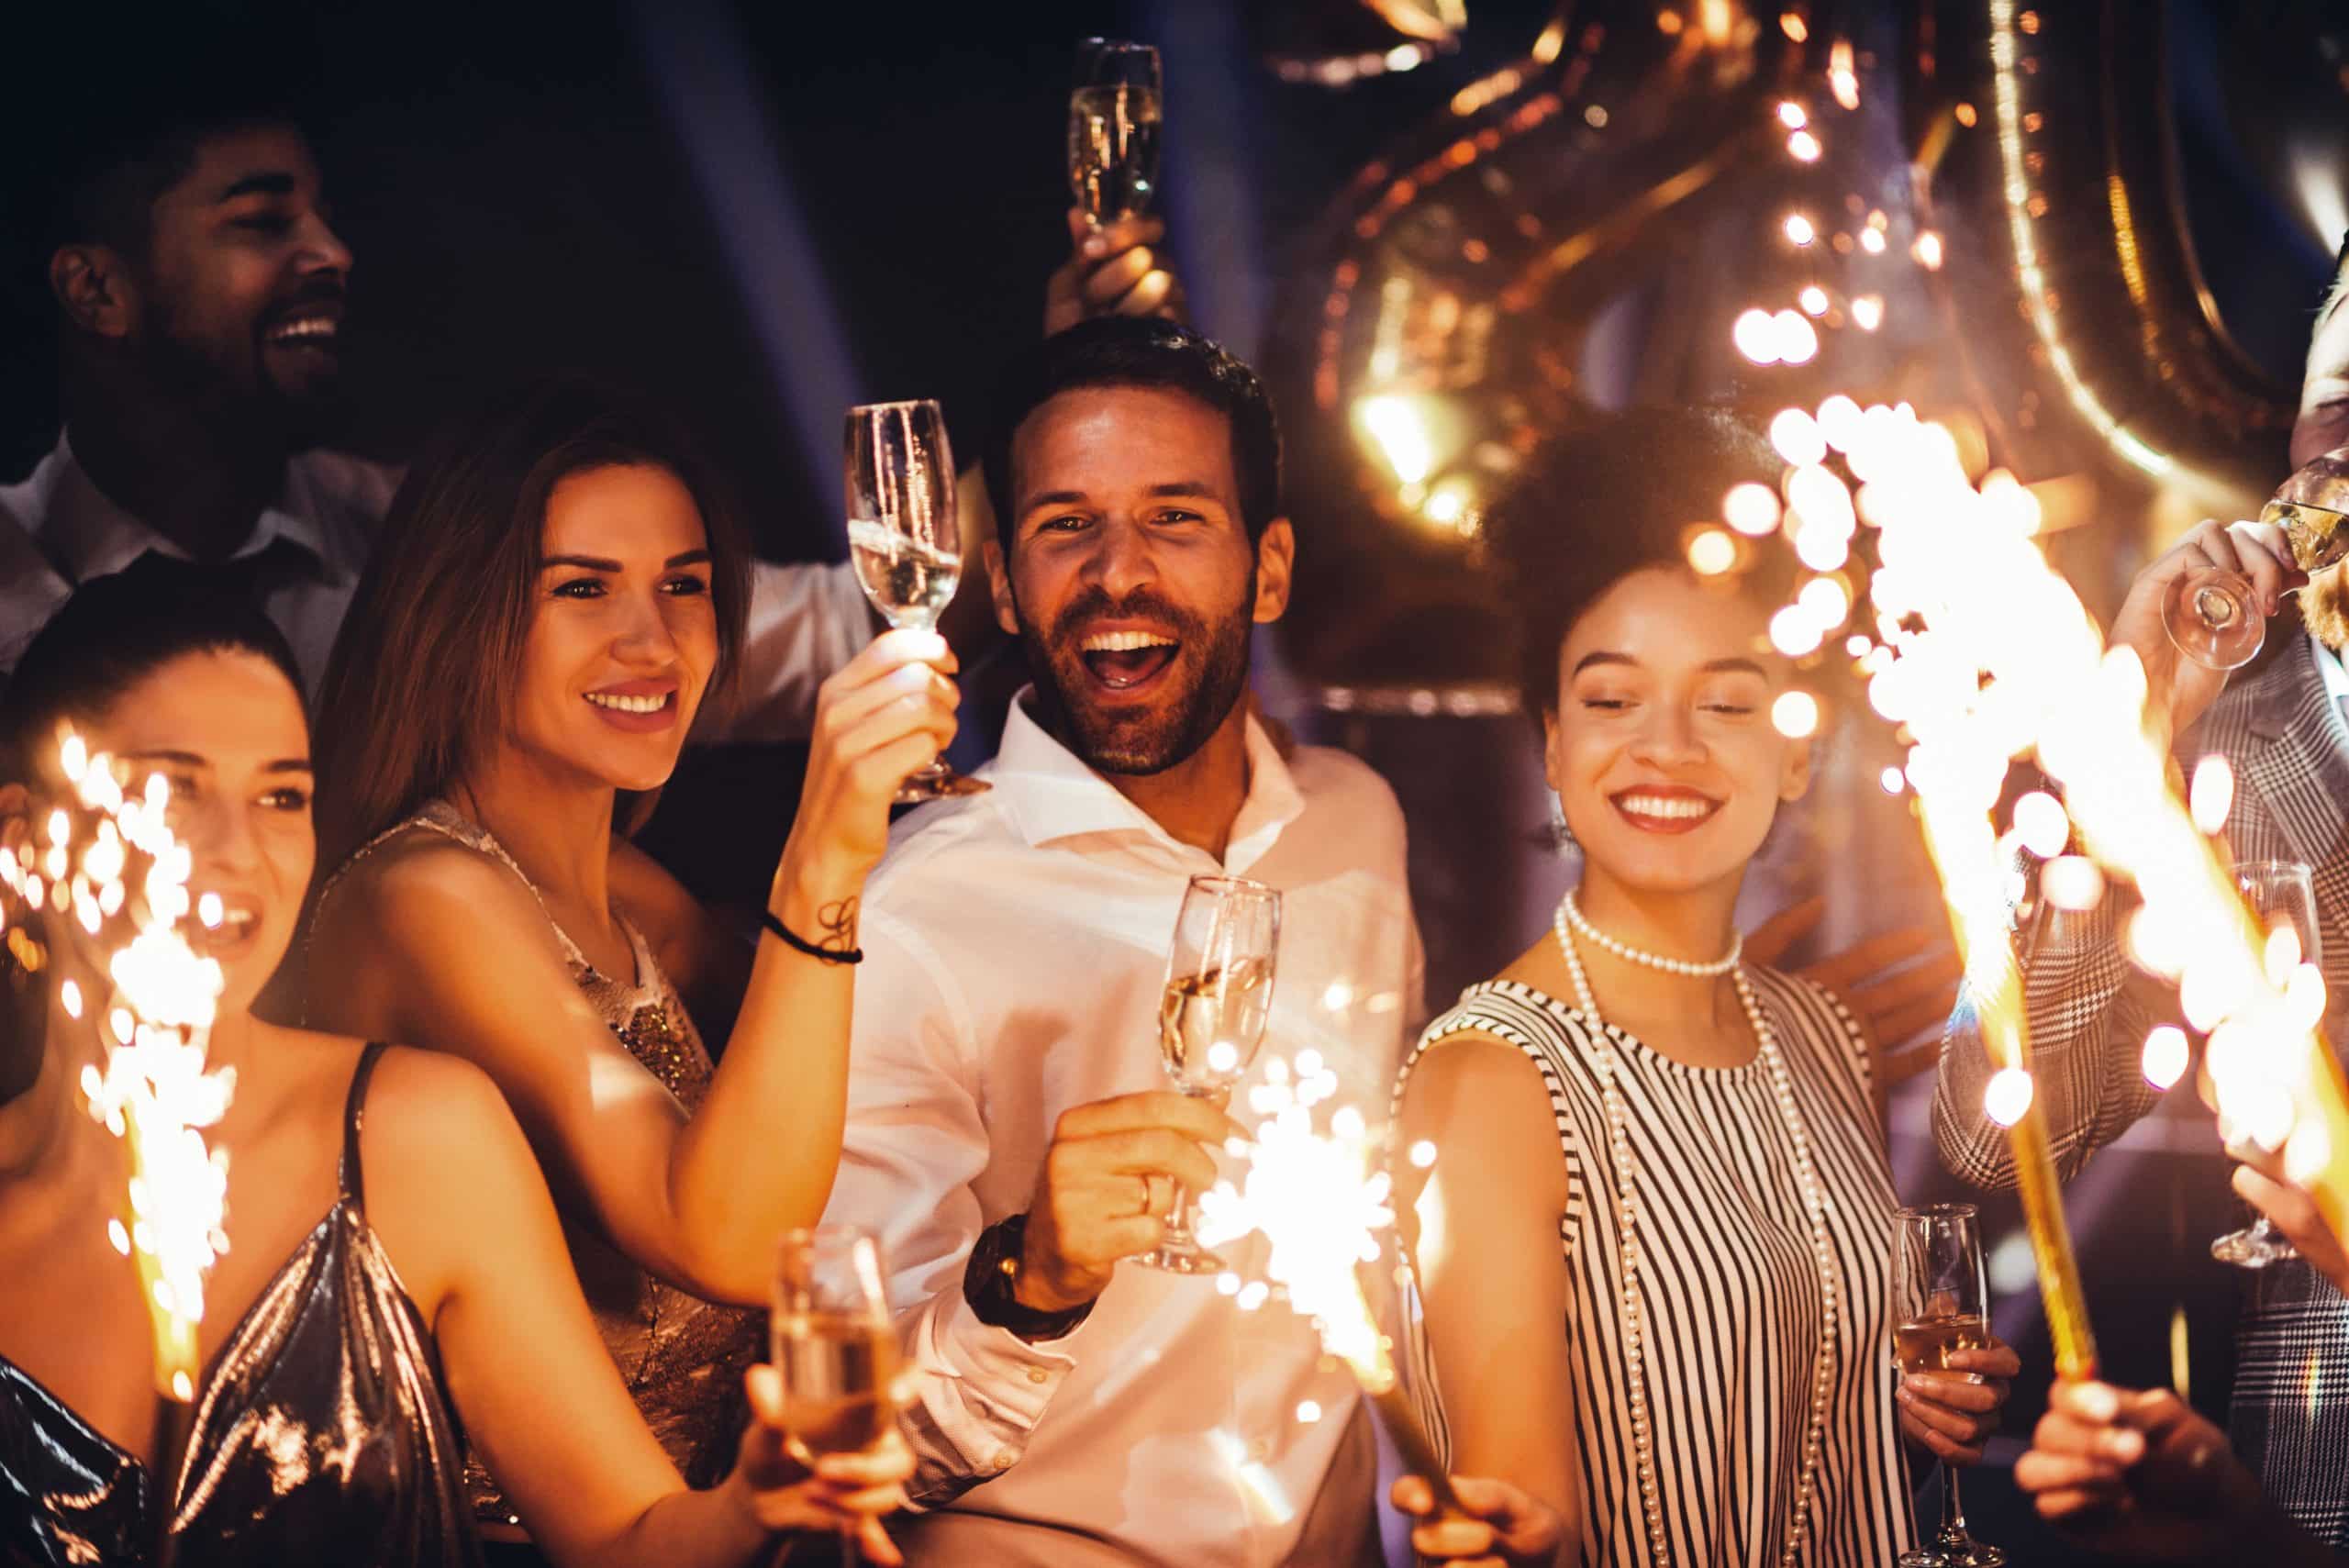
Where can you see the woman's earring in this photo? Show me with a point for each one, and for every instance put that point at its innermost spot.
(1562, 835)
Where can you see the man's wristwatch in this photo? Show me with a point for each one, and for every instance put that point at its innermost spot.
(990, 1277)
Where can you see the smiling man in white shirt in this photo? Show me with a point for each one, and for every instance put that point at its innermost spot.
(1010, 1129)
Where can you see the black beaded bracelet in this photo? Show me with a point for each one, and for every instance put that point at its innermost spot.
(790, 939)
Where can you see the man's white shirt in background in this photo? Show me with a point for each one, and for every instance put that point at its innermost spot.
(1015, 952)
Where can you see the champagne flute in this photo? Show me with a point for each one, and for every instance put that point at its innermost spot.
(835, 1346)
(903, 537)
(1113, 120)
(1211, 1017)
(2281, 894)
(1941, 1302)
(2211, 613)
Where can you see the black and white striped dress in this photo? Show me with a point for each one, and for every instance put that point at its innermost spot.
(1730, 1289)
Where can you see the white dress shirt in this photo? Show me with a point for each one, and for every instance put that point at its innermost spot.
(1014, 950)
(57, 530)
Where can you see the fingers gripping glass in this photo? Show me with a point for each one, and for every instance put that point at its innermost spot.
(1941, 1303)
(834, 1345)
(1211, 1017)
(2282, 894)
(2214, 615)
(904, 537)
(1113, 122)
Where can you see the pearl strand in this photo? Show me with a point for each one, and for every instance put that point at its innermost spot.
(1596, 938)
(1633, 1313)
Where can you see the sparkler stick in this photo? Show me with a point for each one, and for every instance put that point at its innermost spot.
(120, 874)
(1987, 654)
(1995, 987)
(1321, 1202)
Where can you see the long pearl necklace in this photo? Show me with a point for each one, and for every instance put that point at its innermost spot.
(1571, 920)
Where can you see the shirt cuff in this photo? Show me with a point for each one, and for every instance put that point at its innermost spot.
(979, 1392)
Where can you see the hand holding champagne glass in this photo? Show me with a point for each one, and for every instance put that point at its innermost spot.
(1113, 121)
(1211, 1017)
(904, 537)
(1940, 1304)
(2214, 614)
(834, 1346)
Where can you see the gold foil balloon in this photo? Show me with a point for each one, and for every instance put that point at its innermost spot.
(1563, 209)
(2088, 319)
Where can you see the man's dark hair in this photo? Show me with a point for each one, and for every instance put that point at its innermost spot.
(1124, 351)
(1611, 497)
(134, 132)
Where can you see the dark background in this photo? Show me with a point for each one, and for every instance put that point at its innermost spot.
(764, 211)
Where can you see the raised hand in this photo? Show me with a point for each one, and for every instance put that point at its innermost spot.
(847, 1494)
(2264, 1185)
(2142, 1476)
(1111, 271)
(1108, 1183)
(1509, 1528)
(2176, 685)
(885, 713)
(1952, 1414)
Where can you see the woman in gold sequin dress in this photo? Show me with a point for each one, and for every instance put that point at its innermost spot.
(556, 595)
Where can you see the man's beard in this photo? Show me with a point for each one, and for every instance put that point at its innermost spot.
(2324, 608)
(1171, 731)
(243, 399)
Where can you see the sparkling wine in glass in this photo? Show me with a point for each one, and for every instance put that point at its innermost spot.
(2211, 612)
(2282, 895)
(1941, 1303)
(1212, 1016)
(903, 537)
(833, 1342)
(1113, 121)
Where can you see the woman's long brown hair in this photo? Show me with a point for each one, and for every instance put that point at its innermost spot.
(421, 684)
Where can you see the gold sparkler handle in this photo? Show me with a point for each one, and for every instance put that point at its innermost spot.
(2051, 1246)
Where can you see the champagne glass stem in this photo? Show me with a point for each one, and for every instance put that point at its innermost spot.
(1179, 1220)
(1953, 1510)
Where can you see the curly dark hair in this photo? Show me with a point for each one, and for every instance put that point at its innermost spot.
(1609, 498)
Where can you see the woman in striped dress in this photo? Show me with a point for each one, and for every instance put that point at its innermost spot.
(1655, 1242)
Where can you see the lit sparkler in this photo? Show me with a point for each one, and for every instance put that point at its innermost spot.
(1987, 654)
(1323, 1202)
(115, 868)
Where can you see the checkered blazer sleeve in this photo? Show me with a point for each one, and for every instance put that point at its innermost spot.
(2089, 1010)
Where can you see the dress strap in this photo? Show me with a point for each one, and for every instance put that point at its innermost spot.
(350, 1175)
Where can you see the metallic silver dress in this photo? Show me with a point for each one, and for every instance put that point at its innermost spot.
(322, 1434)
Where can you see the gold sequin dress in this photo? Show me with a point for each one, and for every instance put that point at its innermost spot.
(682, 1358)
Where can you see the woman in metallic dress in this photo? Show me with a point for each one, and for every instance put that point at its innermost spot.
(395, 1251)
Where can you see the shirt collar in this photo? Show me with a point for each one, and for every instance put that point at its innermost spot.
(2328, 666)
(1052, 797)
(89, 536)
